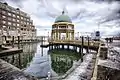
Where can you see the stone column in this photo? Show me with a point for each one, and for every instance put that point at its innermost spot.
(72, 36)
(67, 35)
(59, 36)
(56, 34)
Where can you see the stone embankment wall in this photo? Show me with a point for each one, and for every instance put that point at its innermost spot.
(107, 64)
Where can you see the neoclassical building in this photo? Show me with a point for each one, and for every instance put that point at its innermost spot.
(62, 29)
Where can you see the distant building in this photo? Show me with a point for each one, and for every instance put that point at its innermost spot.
(14, 22)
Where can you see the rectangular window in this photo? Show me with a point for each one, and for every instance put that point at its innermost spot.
(3, 26)
(3, 12)
(14, 15)
(18, 12)
(9, 14)
(18, 24)
(13, 10)
(9, 27)
(9, 18)
(4, 16)
(28, 19)
(14, 24)
(18, 16)
(24, 22)
(18, 20)
(9, 23)
(3, 22)
(21, 17)
(8, 9)
(27, 23)
(14, 19)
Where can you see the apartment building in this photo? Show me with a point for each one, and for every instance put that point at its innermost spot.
(14, 22)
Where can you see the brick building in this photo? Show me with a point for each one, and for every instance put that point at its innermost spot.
(14, 22)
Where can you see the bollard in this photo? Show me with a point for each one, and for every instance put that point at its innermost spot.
(18, 42)
(12, 41)
(88, 46)
(103, 52)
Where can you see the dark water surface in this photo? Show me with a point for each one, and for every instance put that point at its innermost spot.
(39, 61)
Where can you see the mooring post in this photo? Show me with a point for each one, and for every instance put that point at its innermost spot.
(82, 48)
(52, 46)
(18, 42)
(88, 45)
(58, 46)
(49, 46)
(12, 41)
(62, 46)
(68, 46)
(55, 47)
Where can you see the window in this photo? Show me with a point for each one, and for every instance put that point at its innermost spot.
(14, 24)
(8, 9)
(18, 12)
(25, 19)
(14, 19)
(8, 27)
(9, 14)
(24, 22)
(14, 15)
(21, 17)
(13, 10)
(18, 16)
(9, 23)
(4, 26)
(27, 23)
(3, 12)
(3, 6)
(18, 20)
(4, 22)
(9, 18)
(28, 19)
(24, 25)
(4, 16)
(18, 24)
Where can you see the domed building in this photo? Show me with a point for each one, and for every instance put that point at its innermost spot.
(62, 29)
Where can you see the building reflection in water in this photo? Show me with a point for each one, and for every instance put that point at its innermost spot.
(22, 60)
(62, 60)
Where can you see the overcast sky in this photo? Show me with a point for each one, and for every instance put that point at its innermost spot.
(86, 15)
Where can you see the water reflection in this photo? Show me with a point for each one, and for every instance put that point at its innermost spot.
(37, 62)
(22, 60)
(62, 60)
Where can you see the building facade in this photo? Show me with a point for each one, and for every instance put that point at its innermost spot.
(63, 28)
(14, 22)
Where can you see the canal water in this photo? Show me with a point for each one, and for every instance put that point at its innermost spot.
(41, 62)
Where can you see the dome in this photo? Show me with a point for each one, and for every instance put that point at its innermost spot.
(63, 18)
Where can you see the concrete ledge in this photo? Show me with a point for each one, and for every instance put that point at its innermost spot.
(10, 51)
(9, 72)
